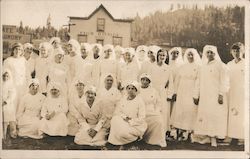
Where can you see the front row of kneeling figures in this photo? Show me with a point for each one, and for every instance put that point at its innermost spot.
(93, 117)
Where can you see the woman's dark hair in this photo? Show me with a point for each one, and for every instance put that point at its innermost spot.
(167, 56)
(15, 45)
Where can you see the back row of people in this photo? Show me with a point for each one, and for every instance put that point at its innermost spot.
(189, 93)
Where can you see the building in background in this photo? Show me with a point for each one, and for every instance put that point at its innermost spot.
(101, 27)
(11, 36)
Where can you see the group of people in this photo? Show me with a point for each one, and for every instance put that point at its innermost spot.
(106, 94)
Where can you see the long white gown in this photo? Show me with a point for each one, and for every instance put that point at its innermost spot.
(109, 99)
(84, 71)
(42, 71)
(71, 62)
(160, 76)
(30, 65)
(128, 72)
(107, 66)
(122, 132)
(236, 99)
(155, 133)
(29, 114)
(212, 116)
(91, 117)
(185, 111)
(57, 125)
(59, 72)
(20, 75)
(9, 96)
(74, 111)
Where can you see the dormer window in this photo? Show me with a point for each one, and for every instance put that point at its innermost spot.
(100, 24)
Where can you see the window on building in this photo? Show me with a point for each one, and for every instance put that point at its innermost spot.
(117, 41)
(99, 41)
(100, 24)
(82, 38)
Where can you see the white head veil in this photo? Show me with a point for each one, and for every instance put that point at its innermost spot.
(143, 75)
(27, 45)
(55, 85)
(54, 39)
(48, 47)
(141, 56)
(107, 47)
(10, 80)
(88, 49)
(135, 84)
(99, 46)
(179, 59)
(210, 48)
(196, 56)
(75, 44)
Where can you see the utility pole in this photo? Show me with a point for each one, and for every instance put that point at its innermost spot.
(68, 25)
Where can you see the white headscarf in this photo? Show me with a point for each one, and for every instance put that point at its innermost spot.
(55, 85)
(143, 75)
(75, 44)
(119, 48)
(196, 56)
(27, 45)
(88, 49)
(55, 39)
(10, 80)
(179, 59)
(33, 81)
(99, 47)
(105, 76)
(90, 88)
(47, 46)
(142, 56)
(135, 84)
(107, 47)
(210, 48)
(72, 89)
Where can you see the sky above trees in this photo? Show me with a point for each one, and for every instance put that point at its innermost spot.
(35, 13)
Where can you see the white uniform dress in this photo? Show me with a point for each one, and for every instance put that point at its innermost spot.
(155, 133)
(74, 111)
(71, 62)
(212, 116)
(59, 72)
(42, 71)
(107, 66)
(122, 132)
(236, 99)
(91, 117)
(57, 125)
(17, 67)
(185, 111)
(161, 75)
(9, 95)
(84, 71)
(109, 99)
(128, 72)
(29, 114)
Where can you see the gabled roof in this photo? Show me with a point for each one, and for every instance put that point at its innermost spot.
(106, 11)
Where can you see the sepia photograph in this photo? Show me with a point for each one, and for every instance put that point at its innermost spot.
(124, 79)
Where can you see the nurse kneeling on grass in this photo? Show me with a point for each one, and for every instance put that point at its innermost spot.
(128, 123)
(91, 121)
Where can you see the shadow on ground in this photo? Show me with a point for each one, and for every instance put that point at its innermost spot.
(67, 143)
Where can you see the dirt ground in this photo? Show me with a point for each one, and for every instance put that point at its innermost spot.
(67, 143)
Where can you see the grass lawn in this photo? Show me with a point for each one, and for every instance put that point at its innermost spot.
(67, 143)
